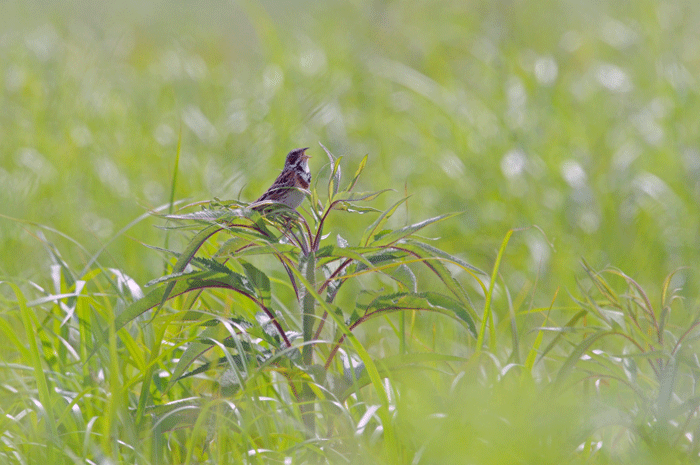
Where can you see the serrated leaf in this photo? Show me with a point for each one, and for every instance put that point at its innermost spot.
(182, 275)
(197, 281)
(210, 264)
(260, 282)
(163, 250)
(230, 246)
(190, 250)
(208, 216)
(259, 233)
(442, 301)
(380, 258)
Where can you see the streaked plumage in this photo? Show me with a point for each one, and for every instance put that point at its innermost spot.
(290, 185)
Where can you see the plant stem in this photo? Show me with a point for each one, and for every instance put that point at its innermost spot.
(308, 304)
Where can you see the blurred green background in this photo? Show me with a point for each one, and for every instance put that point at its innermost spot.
(577, 117)
(580, 118)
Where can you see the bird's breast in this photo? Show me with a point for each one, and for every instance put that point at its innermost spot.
(303, 179)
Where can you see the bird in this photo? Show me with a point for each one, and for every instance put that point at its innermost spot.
(290, 186)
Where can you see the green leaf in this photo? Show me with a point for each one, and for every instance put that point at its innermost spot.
(210, 264)
(162, 250)
(190, 250)
(351, 208)
(406, 231)
(43, 390)
(427, 301)
(189, 275)
(208, 216)
(195, 349)
(576, 354)
(396, 364)
(333, 252)
(434, 251)
(405, 277)
(359, 196)
(334, 178)
(246, 248)
(180, 285)
(569, 325)
(258, 234)
(460, 311)
(230, 246)
(383, 411)
(175, 415)
(360, 168)
(260, 282)
(436, 265)
(379, 222)
(487, 317)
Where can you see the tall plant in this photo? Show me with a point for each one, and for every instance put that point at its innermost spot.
(221, 286)
(639, 364)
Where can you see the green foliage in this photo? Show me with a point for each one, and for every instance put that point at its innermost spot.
(248, 350)
(641, 366)
(577, 117)
(265, 342)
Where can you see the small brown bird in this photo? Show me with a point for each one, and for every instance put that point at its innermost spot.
(290, 186)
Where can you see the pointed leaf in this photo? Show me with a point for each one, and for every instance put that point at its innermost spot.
(576, 354)
(361, 209)
(186, 256)
(406, 231)
(260, 282)
(195, 349)
(379, 222)
(357, 173)
(440, 270)
(334, 252)
(426, 301)
(406, 277)
(334, 178)
(208, 216)
(359, 196)
(396, 364)
(181, 285)
(442, 254)
(189, 275)
(442, 301)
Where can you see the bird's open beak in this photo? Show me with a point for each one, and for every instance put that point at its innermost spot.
(306, 157)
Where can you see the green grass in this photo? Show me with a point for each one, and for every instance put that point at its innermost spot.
(578, 118)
